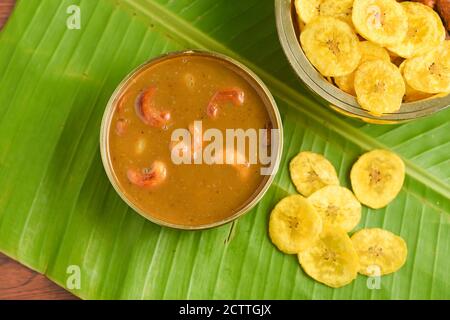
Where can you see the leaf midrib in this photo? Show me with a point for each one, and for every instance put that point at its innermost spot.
(185, 32)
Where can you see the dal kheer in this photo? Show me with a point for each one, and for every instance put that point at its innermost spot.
(176, 92)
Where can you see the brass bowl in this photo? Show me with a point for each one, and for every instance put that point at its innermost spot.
(339, 100)
(258, 85)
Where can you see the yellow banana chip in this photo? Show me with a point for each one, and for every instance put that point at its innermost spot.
(411, 94)
(331, 46)
(337, 206)
(425, 31)
(430, 73)
(377, 178)
(331, 260)
(380, 252)
(383, 22)
(294, 224)
(369, 52)
(311, 172)
(346, 83)
(379, 87)
(301, 25)
(308, 10)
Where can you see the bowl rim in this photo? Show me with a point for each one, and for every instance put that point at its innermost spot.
(272, 109)
(344, 102)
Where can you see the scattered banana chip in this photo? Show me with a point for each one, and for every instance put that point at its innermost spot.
(331, 46)
(294, 224)
(377, 178)
(430, 73)
(311, 172)
(379, 87)
(380, 252)
(308, 10)
(331, 260)
(425, 31)
(337, 206)
(369, 52)
(381, 21)
(316, 228)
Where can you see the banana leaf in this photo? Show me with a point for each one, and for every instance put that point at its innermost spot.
(58, 210)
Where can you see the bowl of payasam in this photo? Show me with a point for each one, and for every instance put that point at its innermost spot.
(191, 140)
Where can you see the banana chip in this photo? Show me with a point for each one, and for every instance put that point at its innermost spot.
(337, 206)
(380, 252)
(379, 87)
(294, 224)
(411, 94)
(430, 73)
(308, 10)
(383, 22)
(331, 260)
(425, 31)
(346, 83)
(331, 46)
(377, 178)
(311, 172)
(369, 52)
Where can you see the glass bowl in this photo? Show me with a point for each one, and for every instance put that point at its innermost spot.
(339, 100)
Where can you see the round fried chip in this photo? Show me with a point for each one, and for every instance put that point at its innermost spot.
(308, 10)
(331, 260)
(331, 46)
(346, 83)
(311, 172)
(294, 224)
(425, 31)
(337, 206)
(379, 87)
(411, 94)
(369, 51)
(383, 22)
(430, 73)
(380, 252)
(377, 178)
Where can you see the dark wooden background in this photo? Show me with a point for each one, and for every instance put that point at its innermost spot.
(6, 7)
(17, 281)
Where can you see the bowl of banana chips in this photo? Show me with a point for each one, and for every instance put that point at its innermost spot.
(382, 61)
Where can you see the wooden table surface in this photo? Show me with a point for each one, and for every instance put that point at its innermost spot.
(20, 283)
(17, 281)
(6, 7)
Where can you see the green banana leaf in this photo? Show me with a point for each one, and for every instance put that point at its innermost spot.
(57, 208)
